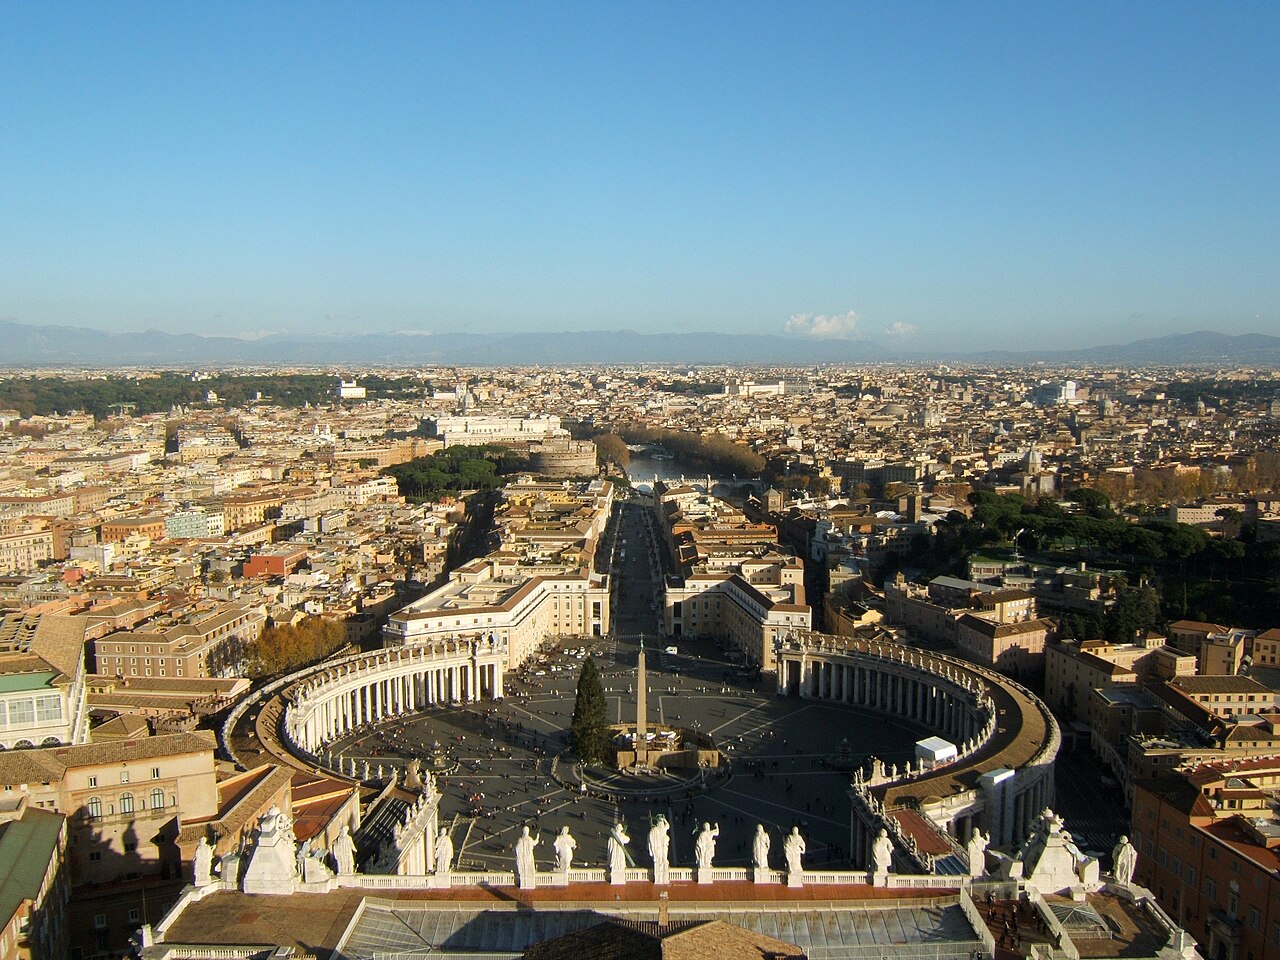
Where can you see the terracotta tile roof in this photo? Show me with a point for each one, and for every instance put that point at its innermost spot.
(25, 766)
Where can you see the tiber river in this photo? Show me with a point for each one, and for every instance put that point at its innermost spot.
(643, 468)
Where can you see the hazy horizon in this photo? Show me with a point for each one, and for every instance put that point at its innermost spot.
(916, 176)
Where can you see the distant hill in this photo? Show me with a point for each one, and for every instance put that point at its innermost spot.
(23, 345)
(1203, 348)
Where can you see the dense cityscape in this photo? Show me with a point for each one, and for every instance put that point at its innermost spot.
(667, 481)
(312, 636)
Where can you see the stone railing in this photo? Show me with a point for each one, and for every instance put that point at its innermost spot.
(265, 692)
(1062, 947)
(974, 916)
(951, 950)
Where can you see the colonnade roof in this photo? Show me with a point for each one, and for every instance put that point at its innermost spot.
(1021, 730)
(1022, 724)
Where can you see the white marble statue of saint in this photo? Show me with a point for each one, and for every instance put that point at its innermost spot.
(1123, 859)
(793, 849)
(881, 853)
(304, 851)
(977, 850)
(760, 848)
(618, 841)
(444, 852)
(564, 847)
(344, 852)
(659, 849)
(525, 865)
(203, 863)
(705, 849)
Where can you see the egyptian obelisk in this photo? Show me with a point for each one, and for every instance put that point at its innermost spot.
(642, 707)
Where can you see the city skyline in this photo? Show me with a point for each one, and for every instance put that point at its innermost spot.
(917, 178)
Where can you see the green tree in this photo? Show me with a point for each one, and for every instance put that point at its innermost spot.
(1136, 609)
(611, 448)
(1093, 502)
(589, 730)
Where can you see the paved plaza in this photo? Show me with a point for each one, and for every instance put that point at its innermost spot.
(782, 752)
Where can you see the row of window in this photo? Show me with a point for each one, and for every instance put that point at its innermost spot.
(133, 671)
(124, 776)
(26, 711)
(95, 805)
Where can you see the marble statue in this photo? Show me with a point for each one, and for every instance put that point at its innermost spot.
(618, 841)
(344, 852)
(1123, 859)
(881, 852)
(760, 848)
(525, 865)
(977, 850)
(304, 851)
(444, 852)
(272, 864)
(564, 847)
(204, 863)
(413, 774)
(659, 849)
(705, 849)
(793, 849)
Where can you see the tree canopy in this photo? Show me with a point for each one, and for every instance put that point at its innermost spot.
(427, 479)
(287, 646)
(589, 728)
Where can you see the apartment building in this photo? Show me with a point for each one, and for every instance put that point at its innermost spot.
(123, 800)
(42, 680)
(26, 551)
(195, 525)
(1208, 841)
(1227, 696)
(1016, 648)
(210, 642)
(1074, 668)
(33, 885)
(1266, 648)
(523, 605)
(732, 580)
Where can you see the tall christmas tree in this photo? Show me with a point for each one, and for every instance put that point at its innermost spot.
(588, 731)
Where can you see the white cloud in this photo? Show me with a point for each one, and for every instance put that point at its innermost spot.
(414, 333)
(900, 329)
(840, 326)
(254, 334)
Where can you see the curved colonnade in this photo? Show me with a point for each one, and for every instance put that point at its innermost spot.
(1006, 738)
(999, 782)
(328, 704)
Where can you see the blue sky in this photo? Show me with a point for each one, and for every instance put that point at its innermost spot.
(921, 174)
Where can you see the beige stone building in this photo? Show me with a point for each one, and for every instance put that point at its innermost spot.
(209, 643)
(123, 800)
(24, 552)
(42, 680)
(1009, 647)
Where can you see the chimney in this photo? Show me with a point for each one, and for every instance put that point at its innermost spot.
(662, 910)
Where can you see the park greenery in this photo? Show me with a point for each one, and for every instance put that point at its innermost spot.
(611, 448)
(285, 647)
(162, 391)
(1187, 573)
(795, 479)
(589, 728)
(429, 479)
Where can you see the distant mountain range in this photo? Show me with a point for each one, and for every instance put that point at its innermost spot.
(23, 345)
